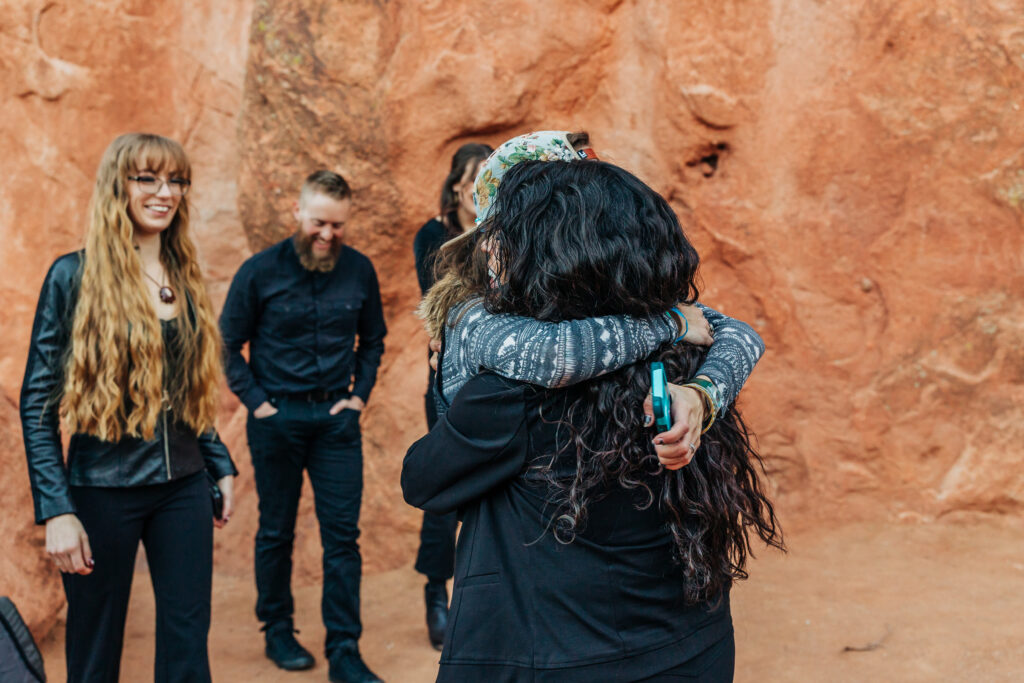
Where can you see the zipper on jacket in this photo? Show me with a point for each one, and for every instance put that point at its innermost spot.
(167, 447)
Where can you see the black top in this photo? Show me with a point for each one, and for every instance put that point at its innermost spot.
(428, 240)
(174, 452)
(608, 606)
(302, 326)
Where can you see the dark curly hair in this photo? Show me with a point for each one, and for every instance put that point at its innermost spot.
(582, 239)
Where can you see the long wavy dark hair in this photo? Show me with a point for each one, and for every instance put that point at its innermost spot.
(466, 156)
(582, 239)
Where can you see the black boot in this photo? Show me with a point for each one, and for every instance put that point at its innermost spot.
(348, 667)
(436, 596)
(284, 650)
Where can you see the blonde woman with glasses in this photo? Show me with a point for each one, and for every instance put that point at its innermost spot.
(125, 350)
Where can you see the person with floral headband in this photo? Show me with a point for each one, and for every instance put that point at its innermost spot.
(558, 354)
(582, 557)
(540, 146)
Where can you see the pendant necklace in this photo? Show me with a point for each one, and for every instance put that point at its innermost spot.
(166, 293)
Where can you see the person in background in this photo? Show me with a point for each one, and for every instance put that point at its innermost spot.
(125, 347)
(309, 307)
(436, 556)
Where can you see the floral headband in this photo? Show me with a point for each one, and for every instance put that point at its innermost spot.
(546, 145)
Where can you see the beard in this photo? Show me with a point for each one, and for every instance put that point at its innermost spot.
(309, 260)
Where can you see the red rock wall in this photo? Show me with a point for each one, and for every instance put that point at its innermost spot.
(854, 178)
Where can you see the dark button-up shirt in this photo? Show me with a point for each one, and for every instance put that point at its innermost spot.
(302, 326)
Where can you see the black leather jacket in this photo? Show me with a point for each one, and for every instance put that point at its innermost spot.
(174, 452)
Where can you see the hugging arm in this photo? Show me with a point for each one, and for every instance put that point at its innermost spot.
(479, 443)
(732, 357)
(560, 354)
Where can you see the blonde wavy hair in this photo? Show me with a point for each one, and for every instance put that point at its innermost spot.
(461, 274)
(114, 381)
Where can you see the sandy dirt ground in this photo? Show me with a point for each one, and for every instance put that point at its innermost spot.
(940, 601)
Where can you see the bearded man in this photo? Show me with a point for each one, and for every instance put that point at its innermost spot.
(309, 307)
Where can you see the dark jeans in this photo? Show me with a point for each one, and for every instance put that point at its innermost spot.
(436, 556)
(303, 435)
(174, 521)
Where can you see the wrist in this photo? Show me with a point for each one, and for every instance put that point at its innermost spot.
(55, 518)
(254, 400)
(682, 325)
(712, 399)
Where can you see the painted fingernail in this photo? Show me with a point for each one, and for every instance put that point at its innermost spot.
(660, 442)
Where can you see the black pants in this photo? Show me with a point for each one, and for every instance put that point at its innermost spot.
(303, 435)
(436, 556)
(174, 521)
(715, 664)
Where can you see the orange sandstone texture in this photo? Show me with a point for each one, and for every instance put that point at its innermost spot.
(853, 178)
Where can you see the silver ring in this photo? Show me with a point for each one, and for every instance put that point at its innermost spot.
(693, 447)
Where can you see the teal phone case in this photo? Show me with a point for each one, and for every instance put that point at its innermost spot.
(660, 398)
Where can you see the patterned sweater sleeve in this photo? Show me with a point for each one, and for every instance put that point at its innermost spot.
(555, 354)
(560, 354)
(732, 356)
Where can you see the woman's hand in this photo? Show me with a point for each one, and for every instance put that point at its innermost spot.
(226, 486)
(698, 329)
(67, 544)
(435, 347)
(675, 448)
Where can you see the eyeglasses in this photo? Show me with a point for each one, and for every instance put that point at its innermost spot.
(151, 185)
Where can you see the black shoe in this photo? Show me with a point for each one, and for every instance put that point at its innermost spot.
(285, 651)
(348, 667)
(436, 595)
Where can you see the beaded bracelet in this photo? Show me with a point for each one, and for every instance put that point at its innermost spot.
(686, 323)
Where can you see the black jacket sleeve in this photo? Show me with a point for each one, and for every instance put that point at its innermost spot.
(43, 386)
(238, 323)
(479, 444)
(216, 456)
(371, 332)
